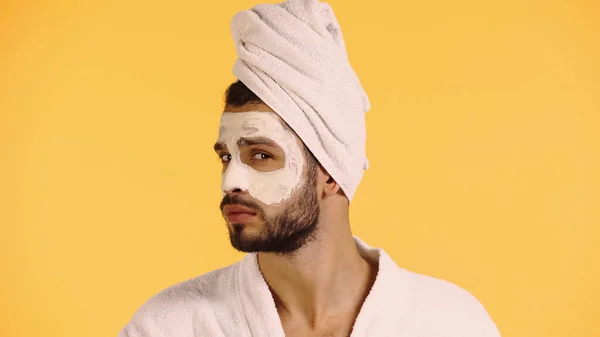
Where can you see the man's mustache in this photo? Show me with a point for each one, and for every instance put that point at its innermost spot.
(238, 200)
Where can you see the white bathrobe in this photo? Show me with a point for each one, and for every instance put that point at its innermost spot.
(235, 301)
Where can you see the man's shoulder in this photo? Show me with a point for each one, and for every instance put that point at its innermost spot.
(452, 307)
(429, 290)
(210, 286)
(176, 307)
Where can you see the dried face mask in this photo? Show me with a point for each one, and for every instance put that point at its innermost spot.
(268, 187)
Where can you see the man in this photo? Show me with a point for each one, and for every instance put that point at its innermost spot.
(292, 144)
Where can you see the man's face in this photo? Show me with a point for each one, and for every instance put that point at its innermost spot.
(269, 201)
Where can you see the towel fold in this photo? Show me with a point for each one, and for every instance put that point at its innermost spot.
(293, 57)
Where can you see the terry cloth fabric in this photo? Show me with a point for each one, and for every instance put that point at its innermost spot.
(235, 301)
(293, 57)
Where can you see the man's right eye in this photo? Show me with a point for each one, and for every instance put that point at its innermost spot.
(226, 157)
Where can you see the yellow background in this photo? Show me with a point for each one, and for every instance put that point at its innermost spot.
(483, 141)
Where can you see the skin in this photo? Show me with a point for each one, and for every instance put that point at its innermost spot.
(319, 288)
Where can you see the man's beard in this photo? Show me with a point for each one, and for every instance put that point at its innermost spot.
(286, 232)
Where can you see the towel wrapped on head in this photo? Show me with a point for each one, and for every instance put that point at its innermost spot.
(293, 57)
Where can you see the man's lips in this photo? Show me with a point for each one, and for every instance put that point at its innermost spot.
(237, 214)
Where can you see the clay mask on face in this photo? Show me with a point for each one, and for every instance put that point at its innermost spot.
(269, 187)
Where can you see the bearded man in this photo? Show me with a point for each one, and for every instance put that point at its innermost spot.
(292, 144)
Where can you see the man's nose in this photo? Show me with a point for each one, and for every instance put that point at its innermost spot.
(235, 179)
(235, 190)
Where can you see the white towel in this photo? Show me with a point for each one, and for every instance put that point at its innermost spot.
(292, 55)
(235, 301)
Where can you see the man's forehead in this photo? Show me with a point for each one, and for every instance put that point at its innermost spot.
(261, 107)
(251, 116)
(253, 110)
(251, 121)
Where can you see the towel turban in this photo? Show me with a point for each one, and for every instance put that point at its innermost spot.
(293, 57)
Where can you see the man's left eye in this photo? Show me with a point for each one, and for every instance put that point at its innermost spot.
(261, 156)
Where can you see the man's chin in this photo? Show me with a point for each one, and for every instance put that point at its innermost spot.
(243, 239)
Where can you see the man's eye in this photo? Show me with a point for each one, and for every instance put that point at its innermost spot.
(225, 157)
(261, 156)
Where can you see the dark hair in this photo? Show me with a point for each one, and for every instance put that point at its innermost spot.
(238, 94)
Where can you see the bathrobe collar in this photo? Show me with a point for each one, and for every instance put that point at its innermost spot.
(380, 313)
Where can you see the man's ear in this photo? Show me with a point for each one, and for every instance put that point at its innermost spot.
(331, 187)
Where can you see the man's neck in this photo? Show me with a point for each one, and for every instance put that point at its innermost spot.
(325, 279)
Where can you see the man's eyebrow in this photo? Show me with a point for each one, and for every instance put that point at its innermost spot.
(243, 142)
(220, 146)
